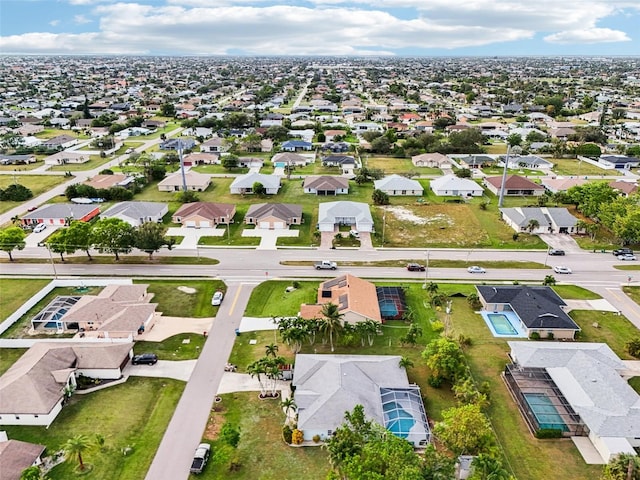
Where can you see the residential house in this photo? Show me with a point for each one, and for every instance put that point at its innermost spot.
(193, 159)
(539, 309)
(61, 214)
(618, 162)
(33, 389)
(283, 159)
(473, 162)
(397, 185)
(273, 216)
(60, 142)
(214, 145)
(356, 299)
(515, 185)
(346, 162)
(587, 386)
(625, 188)
(330, 135)
(17, 159)
(434, 160)
(250, 162)
(178, 143)
(243, 184)
(16, 456)
(327, 386)
(540, 219)
(530, 162)
(296, 146)
(562, 133)
(204, 214)
(136, 213)
(450, 185)
(197, 182)
(104, 181)
(326, 185)
(555, 184)
(65, 157)
(355, 214)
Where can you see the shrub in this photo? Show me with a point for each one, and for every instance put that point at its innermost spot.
(550, 336)
(549, 433)
(435, 381)
(633, 347)
(515, 236)
(230, 435)
(295, 285)
(297, 437)
(437, 326)
(316, 438)
(534, 336)
(287, 433)
(464, 341)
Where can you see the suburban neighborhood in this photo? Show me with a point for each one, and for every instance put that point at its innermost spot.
(221, 268)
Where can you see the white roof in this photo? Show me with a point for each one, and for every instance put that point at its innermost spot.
(451, 182)
(329, 211)
(247, 181)
(397, 182)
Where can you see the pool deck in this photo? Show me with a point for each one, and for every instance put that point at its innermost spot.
(485, 316)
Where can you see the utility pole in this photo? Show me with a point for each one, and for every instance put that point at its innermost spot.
(504, 176)
(184, 177)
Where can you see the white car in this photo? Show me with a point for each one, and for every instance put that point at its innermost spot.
(217, 298)
(354, 233)
(627, 256)
(39, 227)
(561, 269)
(476, 269)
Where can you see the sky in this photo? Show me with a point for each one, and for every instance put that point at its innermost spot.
(321, 27)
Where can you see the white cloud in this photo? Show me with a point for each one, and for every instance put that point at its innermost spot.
(54, 23)
(588, 35)
(81, 19)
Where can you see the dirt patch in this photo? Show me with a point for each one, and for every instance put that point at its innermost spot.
(187, 290)
(216, 420)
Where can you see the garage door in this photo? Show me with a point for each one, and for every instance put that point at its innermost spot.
(278, 225)
(190, 223)
(205, 224)
(265, 225)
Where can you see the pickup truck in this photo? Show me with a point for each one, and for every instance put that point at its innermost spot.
(200, 458)
(325, 265)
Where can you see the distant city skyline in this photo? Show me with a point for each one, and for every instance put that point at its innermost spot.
(321, 27)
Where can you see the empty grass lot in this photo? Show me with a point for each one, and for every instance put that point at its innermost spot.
(94, 162)
(175, 303)
(174, 348)
(38, 184)
(14, 292)
(134, 414)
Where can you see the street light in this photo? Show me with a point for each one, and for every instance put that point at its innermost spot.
(53, 265)
(426, 271)
(384, 224)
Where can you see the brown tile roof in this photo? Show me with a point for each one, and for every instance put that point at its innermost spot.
(15, 456)
(284, 211)
(105, 181)
(350, 293)
(205, 209)
(514, 182)
(326, 182)
(625, 187)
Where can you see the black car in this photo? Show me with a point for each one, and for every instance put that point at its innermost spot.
(555, 251)
(145, 359)
(623, 251)
(415, 267)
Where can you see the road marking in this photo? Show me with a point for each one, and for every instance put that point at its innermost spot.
(235, 300)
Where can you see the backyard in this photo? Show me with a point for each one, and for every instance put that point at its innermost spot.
(38, 184)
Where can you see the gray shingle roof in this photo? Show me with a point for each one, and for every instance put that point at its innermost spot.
(522, 215)
(61, 210)
(397, 182)
(136, 210)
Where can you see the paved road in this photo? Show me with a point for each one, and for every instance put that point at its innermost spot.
(174, 456)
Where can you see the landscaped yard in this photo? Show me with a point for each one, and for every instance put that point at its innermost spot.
(176, 303)
(94, 162)
(573, 166)
(38, 184)
(133, 415)
(174, 348)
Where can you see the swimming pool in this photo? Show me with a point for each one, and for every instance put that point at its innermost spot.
(503, 324)
(388, 308)
(545, 412)
(397, 420)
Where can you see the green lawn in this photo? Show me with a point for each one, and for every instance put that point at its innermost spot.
(82, 259)
(572, 166)
(134, 414)
(38, 184)
(607, 327)
(261, 452)
(9, 356)
(175, 303)
(174, 348)
(14, 292)
(400, 166)
(94, 162)
(573, 292)
(270, 299)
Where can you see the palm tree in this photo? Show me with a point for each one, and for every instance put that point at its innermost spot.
(288, 404)
(432, 288)
(331, 321)
(75, 447)
(532, 225)
(256, 369)
(405, 362)
(271, 350)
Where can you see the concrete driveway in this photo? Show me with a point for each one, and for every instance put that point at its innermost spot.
(192, 235)
(365, 241)
(179, 370)
(268, 238)
(165, 327)
(561, 242)
(33, 239)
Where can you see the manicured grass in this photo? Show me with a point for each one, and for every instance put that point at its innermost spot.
(134, 414)
(400, 166)
(635, 383)
(269, 299)
(38, 184)
(627, 266)
(572, 166)
(607, 327)
(174, 348)
(20, 328)
(49, 133)
(94, 162)
(175, 303)
(436, 263)
(261, 452)
(9, 356)
(573, 292)
(82, 259)
(633, 292)
(22, 167)
(14, 292)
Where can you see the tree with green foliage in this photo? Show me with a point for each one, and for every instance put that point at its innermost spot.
(33, 473)
(15, 193)
(445, 359)
(186, 196)
(112, 235)
(168, 110)
(412, 335)
(406, 363)
(75, 447)
(380, 198)
(633, 347)
(463, 173)
(78, 236)
(623, 467)
(150, 237)
(331, 321)
(487, 467)
(588, 150)
(438, 466)
(230, 434)
(465, 430)
(258, 188)
(514, 140)
(12, 238)
(57, 243)
(532, 225)
(549, 280)
(229, 162)
(350, 437)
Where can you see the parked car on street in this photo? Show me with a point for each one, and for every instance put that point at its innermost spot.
(561, 269)
(622, 251)
(627, 256)
(217, 298)
(145, 359)
(415, 267)
(556, 252)
(476, 269)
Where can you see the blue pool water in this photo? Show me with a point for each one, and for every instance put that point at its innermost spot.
(503, 324)
(397, 420)
(545, 412)
(388, 308)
